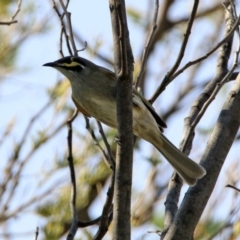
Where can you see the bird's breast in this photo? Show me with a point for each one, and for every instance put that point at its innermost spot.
(104, 110)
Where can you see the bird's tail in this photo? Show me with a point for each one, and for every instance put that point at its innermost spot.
(189, 170)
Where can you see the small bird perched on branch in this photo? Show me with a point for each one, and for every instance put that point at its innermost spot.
(94, 94)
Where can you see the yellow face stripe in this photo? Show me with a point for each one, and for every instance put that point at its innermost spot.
(72, 64)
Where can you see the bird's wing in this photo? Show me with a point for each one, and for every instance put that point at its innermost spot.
(157, 118)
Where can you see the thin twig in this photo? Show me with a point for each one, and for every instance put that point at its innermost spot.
(14, 15)
(92, 50)
(74, 225)
(63, 31)
(68, 16)
(185, 40)
(164, 83)
(168, 77)
(83, 224)
(148, 45)
(36, 233)
(18, 9)
(216, 90)
(61, 42)
(110, 154)
(8, 22)
(210, 52)
(231, 186)
(107, 159)
(84, 48)
(106, 212)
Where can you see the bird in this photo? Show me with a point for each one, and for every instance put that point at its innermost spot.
(94, 90)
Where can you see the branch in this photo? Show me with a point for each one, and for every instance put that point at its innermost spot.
(123, 60)
(213, 158)
(218, 146)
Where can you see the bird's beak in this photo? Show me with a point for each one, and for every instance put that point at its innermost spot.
(50, 64)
